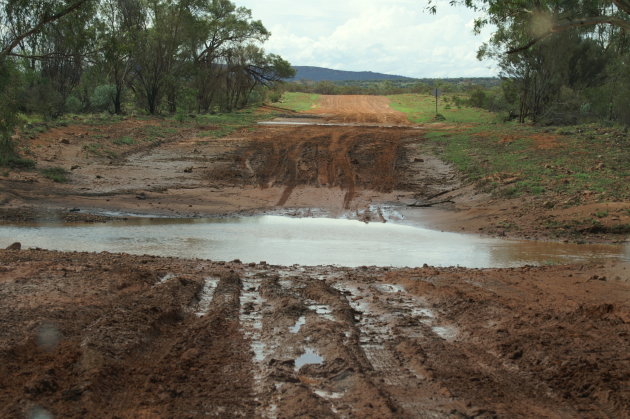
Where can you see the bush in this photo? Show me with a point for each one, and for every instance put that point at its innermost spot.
(56, 174)
(103, 97)
(274, 96)
(73, 104)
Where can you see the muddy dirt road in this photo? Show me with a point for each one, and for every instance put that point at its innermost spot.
(368, 155)
(336, 168)
(104, 335)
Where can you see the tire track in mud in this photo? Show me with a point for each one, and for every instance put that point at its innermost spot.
(388, 321)
(339, 169)
(306, 350)
(181, 364)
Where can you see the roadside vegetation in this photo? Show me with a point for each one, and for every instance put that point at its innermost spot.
(420, 108)
(62, 60)
(299, 102)
(56, 174)
(509, 159)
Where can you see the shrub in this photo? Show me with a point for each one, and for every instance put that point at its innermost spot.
(103, 97)
(73, 104)
(56, 174)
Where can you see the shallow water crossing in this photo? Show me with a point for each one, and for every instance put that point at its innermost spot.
(306, 241)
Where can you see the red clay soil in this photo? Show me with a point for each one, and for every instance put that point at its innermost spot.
(103, 335)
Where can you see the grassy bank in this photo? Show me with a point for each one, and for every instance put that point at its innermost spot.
(573, 164)
(579, 163)
(299, 102)
(420, 109)
(221, 125)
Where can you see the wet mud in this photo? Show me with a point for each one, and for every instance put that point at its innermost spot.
(93, 335)
(116, 335)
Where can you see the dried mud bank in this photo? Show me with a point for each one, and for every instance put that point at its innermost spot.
(92, 335)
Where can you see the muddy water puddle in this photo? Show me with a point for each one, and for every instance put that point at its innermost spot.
(309, 357)
(306, 241)
(319, 123)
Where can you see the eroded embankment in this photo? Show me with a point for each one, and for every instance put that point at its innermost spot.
(87, 335)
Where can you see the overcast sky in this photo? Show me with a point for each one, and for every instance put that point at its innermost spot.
(386, 36)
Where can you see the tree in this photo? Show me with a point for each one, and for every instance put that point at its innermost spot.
(539, 19)
(560, 58)
(20, 21)
(118, 26)
(218, 28)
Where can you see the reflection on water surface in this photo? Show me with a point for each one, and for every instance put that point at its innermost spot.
(306, 241)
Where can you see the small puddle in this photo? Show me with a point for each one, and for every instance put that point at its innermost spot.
(306, 122)
(444, 332)
(281, 240)
(166, 278)
(298, 325)
(309, 357)
(329, 394)
(207, 295)
(390, 288)
(321, 310)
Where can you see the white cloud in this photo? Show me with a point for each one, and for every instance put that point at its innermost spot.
(389, 36)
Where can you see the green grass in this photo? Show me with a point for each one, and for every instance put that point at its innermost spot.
(298, 102)
(124, 141)
(56, 174)
(158, 132)
(511, 160)
(224, 124)
(421, 109)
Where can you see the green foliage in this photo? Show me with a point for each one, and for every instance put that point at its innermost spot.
(8, 115)
(103, 97)
(73, 104)
(56, 174)
(391, 87)
(123, 141)
(224, 124)
(275, 95)
(158, 55)
(555, 70)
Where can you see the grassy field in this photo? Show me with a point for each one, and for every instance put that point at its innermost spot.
(298, 102)
(512, 160)
(421, 109)
(220, 125)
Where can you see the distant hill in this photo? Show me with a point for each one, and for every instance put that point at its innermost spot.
(326, 74)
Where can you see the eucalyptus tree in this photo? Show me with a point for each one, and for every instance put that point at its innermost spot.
(218, 29)
(119, 26)
(248, 67)
(21, 23)
(536, 20)
(559, 54)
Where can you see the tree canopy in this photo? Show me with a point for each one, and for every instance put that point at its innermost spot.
(561, 61)
(537, 20)
(157, 54)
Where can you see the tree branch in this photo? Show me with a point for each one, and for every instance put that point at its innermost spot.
(623, 5)
(590, 21)
(577, 23)
(45, 20)
(529, 44)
